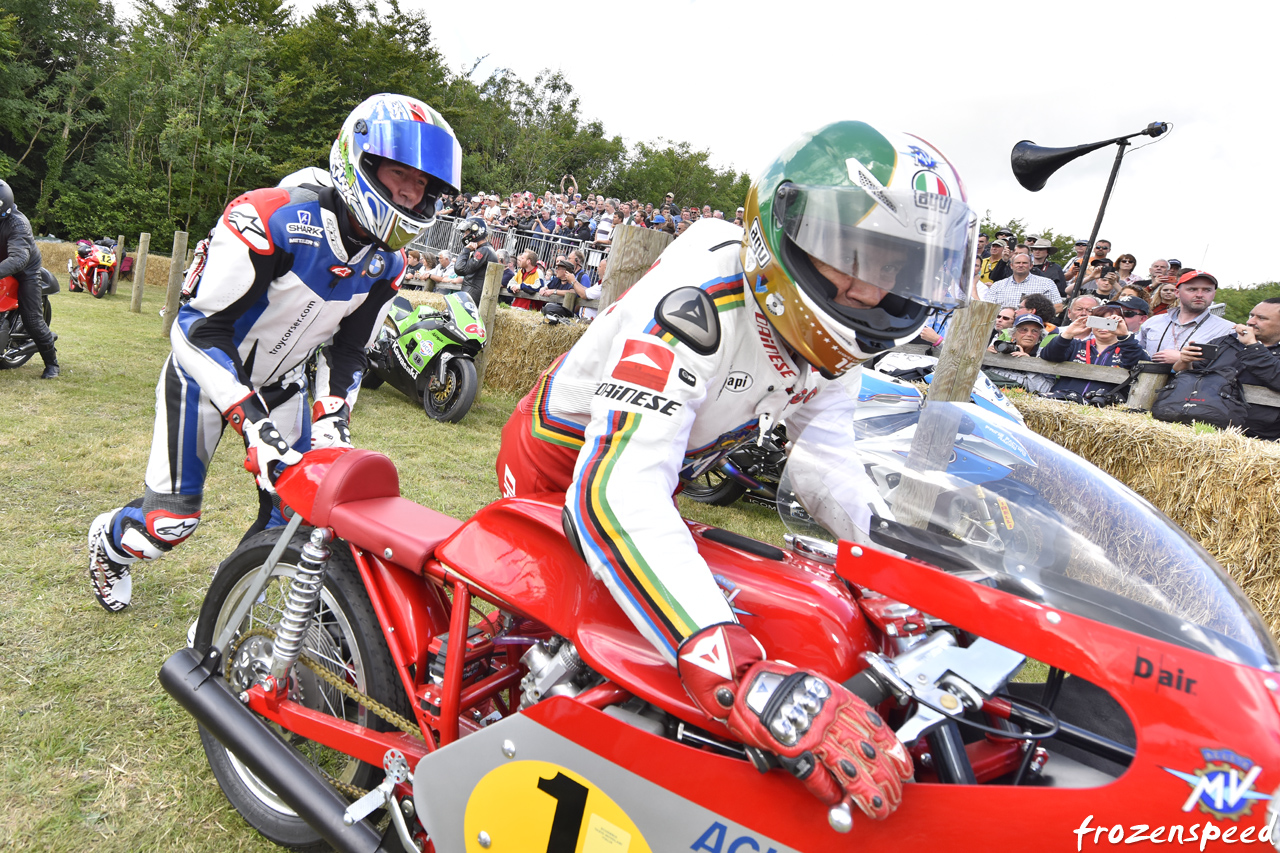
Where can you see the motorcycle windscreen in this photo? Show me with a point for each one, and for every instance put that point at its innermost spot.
(979, 495)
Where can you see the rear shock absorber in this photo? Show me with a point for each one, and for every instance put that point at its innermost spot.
(300, 604)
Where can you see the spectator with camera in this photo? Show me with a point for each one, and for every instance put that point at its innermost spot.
(1135, 310)
(1157, 274)
(1072, 269)
(1189, 322)
(1009, 291)
(1026, 336)
(1253, 348)
(1101, 338)
(1080, 306)
(1107, 286)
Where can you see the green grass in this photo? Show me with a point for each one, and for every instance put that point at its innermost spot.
(93, 754)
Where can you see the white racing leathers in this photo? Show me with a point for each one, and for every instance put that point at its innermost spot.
(683, 367)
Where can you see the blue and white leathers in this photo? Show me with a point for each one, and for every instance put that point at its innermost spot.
(283, 277)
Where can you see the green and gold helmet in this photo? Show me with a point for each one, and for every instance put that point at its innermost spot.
(852, 237)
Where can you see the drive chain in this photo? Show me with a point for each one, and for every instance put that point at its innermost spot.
(326, 675)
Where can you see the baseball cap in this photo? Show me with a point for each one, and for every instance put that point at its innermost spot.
(1132, 303)
(999, 243)
(1174, 262)
(1029, 318)
(1081, 243)
(1193, 274)
(742, 210)
(658, 217)
(1003, 231)
(670, 195)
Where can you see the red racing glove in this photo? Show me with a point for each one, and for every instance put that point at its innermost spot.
(824, 735)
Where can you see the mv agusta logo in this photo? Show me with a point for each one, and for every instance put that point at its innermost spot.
(1223, 787)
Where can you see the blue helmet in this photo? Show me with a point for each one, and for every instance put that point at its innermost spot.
(404, 129)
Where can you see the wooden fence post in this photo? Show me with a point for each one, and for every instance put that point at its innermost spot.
(140, 273)
(631, 253)
(961, 358)
(1149, 382)
(115, 273)
(958, 366)
(173, 296)
(488, 311)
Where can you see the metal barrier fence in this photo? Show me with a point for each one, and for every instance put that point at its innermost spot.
(442, 235)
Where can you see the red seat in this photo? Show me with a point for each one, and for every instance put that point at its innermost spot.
(359, 497)
(412, 531)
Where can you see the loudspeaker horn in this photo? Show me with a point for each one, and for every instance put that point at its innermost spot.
(1033, 164)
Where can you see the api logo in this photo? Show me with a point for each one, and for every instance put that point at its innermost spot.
(1222, 788)
(737, 381)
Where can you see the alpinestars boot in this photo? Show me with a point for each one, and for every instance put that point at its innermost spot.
(108, 569)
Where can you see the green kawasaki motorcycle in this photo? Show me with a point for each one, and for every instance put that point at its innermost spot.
(429, 354)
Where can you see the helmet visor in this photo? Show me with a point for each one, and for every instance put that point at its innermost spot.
(916, 245)
(422, 145)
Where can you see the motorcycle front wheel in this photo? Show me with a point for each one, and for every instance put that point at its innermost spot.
(344, 638)
(101, 284)
(451, 401)
(714, 487)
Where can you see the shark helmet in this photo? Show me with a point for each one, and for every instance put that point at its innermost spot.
(404, 129)
(888, 210)
(473, 230)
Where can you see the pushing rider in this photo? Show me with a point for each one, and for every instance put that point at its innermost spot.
(20, 258)
(852, 236)
(288, 269)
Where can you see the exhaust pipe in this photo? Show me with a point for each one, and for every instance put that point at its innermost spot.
(294, 780)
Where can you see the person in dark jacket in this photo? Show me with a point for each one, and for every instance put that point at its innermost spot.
(1107, 347)
(1255, 349)
(475, 265)
(20, 258)
(1042, 266)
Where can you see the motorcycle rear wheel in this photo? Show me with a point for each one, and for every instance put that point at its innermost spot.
(452, 402)
(19, 352)
(714, 487)
(344, 636)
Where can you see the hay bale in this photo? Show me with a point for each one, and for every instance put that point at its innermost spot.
(1222, 488)
(521, 343)
(56, 255)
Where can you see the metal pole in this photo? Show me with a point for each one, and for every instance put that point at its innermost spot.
(1097, 223)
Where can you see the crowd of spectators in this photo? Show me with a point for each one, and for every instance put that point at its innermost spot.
(570, 214)
(1113, 316)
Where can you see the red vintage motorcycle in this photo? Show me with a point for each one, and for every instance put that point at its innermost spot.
(91, 268)
(469, 686)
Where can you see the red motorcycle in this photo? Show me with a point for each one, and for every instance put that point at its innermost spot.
(91, 268)
(471, 686)
(16, 345)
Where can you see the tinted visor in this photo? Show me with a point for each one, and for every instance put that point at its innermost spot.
(918, 245)
(424, 146)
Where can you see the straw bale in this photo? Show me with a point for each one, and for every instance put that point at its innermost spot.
(1222, 488)
(56, 255)
(521, 343)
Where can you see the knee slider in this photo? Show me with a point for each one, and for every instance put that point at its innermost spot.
(151, 536)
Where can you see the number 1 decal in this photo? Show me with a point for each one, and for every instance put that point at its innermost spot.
(571, 802)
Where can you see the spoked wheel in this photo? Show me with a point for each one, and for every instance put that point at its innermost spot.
(714, 487)
(449, 401)
(101, 284)
(344, 638)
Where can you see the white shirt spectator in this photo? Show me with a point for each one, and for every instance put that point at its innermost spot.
(1170, 331)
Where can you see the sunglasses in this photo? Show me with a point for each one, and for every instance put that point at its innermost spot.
(1129, 312)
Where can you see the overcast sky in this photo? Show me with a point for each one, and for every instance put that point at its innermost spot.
(742, 79)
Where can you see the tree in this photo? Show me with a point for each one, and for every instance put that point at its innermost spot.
(660, 167)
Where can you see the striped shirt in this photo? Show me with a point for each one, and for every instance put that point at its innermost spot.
(1007, 292)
